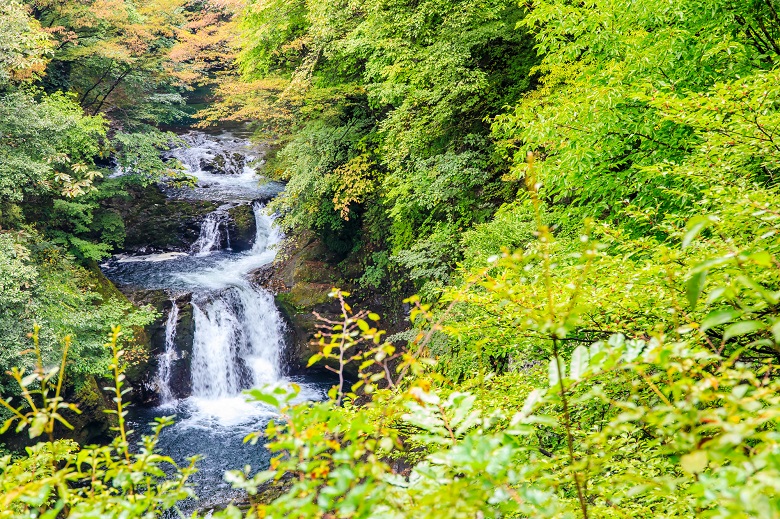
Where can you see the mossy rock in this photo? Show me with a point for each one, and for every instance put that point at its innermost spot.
(307, 271)
(155, 223)
(242, 227)
(309, 295)
(142, 377)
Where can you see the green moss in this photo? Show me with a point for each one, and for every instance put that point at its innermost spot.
(307, 295)
(286, 301)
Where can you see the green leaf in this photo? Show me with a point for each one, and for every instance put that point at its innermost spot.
(555, 376)
(7, 425)
(762, 258)
(29, 379)
(742, 328)
(314, 359)
(694, 462)
(530, 402)
(695, 226)
(694, 287)
(38, 424)
(579, 362)
(719, 317)
(258, 395)
(775, 332)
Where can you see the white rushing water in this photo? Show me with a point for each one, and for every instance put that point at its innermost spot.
(237, 342)
(238, 331)
(210, 238)
(168, 355)
(223, 166)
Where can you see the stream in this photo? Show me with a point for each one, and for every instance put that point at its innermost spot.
(238, 334)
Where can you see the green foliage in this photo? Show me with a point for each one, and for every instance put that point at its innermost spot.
(55, 142)
(383, 105)
(117, 57)
(25, 47)
(49, 146)
(139, 154)
(376, 272)
(310, 194)
(627, 128)
(60, 479)
(39, 284)
(40, 417)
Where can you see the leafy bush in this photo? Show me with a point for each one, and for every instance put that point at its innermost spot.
(381, 105)
(668, 423)
(61, 479)
(39, 284)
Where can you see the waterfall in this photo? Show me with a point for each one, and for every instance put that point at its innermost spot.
(237, 341)
(210, 237)
(234, 338)
(239, 332)
(168, 355)
(266, 235)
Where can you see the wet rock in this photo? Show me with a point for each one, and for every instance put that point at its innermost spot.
(155, 223)
(181, 382)
(224, 164)
(301, 282)
(93, 425)
(143, 378)
(242, 227)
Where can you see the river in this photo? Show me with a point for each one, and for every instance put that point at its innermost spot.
(238, 332)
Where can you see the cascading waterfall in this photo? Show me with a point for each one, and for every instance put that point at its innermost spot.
(168, 355)
(210, 237)
(269, 235)
(238, 333)
(238, 329)
(237, 341)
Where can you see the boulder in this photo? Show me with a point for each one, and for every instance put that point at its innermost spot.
(224, 164)
(143, 378)
(301, 282)
(241, 226)
(155, 223)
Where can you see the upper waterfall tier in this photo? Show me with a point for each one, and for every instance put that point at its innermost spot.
(224, 166)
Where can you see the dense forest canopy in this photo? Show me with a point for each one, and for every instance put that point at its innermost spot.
(582, 194)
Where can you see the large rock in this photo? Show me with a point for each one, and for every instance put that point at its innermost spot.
(242, 227)
(143, 379)
(155, 223)
(224, 163)
(301, 282)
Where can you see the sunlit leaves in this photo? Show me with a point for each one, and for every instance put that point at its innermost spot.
(114, 482)
(25, 47)
(49, 146)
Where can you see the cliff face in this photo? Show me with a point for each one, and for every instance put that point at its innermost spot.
(301, 278)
